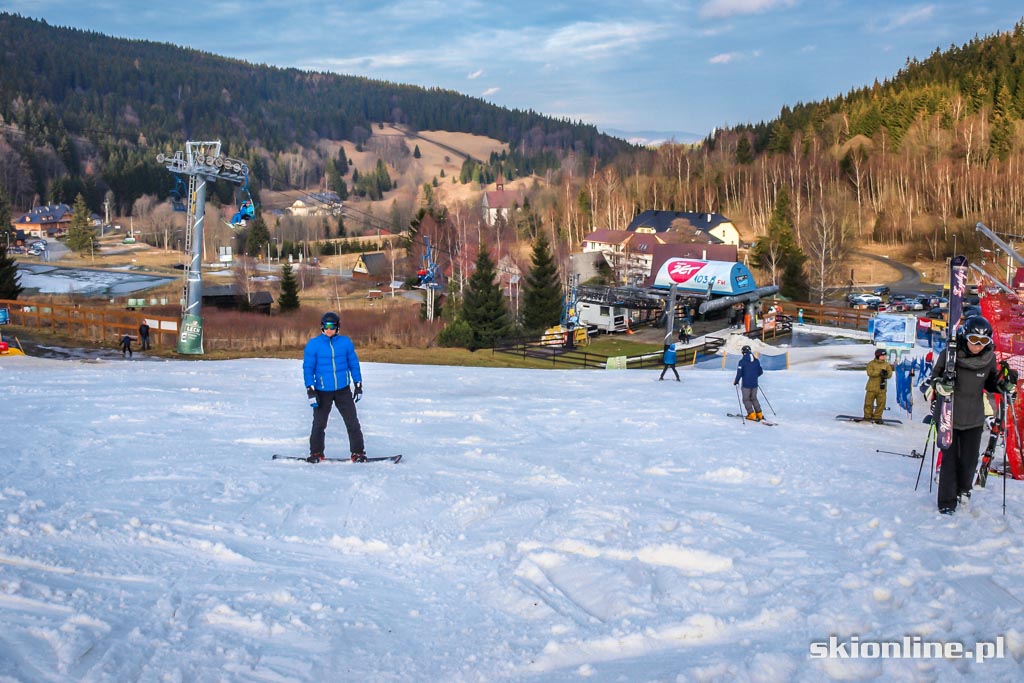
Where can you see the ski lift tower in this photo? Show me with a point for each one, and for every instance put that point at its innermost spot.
(202, 163)
(430, 278)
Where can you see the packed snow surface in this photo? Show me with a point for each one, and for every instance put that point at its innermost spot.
(543, 526)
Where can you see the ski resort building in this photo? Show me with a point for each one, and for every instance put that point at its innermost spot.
(692, 225)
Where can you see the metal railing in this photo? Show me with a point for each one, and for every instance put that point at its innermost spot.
(551, 348)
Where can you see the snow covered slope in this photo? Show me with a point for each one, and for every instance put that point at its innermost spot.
(544, 525)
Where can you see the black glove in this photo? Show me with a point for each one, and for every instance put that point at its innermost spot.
(736, 383)
(884, 374)
(358, 393)
(311, 395)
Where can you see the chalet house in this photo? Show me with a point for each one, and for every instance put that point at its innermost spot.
(500, 202)
(51, 220)
(632, 255)
(372, 266)
(232, 298)
(317, 204)
(695, 227)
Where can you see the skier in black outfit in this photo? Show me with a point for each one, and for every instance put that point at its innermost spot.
(975, 373)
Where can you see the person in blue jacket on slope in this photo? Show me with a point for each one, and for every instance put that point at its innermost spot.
(329, 364)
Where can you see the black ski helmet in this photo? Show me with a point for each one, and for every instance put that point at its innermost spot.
(880, 352)
(745, 350)
(330, 317)
(975, 326)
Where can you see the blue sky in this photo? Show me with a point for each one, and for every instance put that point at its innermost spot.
(667, 66)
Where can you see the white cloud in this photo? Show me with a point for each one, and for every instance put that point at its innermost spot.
(475, 75)
(911, 16)
(716, 9)
(724, 58)
(592, 40)
(489, 92)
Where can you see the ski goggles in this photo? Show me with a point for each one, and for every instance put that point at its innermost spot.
(978, 339)
(330, 326)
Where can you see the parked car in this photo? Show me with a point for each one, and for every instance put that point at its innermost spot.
(865, 301)
(38, 244)
(881, 291)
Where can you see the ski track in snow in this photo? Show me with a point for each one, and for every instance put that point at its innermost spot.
(544, 525)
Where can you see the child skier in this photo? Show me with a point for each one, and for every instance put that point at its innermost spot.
(748, 370)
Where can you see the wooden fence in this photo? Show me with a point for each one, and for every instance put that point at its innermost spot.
(833, 316)
(101, 325)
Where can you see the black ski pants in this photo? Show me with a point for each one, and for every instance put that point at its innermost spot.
(347, 407)
(959, 462)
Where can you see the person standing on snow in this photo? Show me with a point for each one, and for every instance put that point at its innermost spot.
(329, 362)
(669, 359)
(879, 370)
(748, 370)
(976, 372)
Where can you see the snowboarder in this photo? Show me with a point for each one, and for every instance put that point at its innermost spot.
(879, 370)
(669, 359)
(748, 370)
(144, 336)
(975, 372)
(329, 363)
(126, 346)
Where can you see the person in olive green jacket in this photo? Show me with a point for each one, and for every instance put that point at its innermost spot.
(879, 370)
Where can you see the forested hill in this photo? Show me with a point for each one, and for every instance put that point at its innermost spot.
(57, 83)
(983, 76)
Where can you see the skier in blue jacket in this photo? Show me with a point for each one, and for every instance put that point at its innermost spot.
(748, 370)
(669, 360)
(329, 363)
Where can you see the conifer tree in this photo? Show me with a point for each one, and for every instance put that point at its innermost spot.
(289, 299)
(542, 297)
(81, 235)
(9, 286)
(778, 251)
(483, 306)
(257, 237)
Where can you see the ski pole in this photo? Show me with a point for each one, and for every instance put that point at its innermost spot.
(911, 454)
(1006, 454)
(766, 400)
(742, 417)
(927, 440)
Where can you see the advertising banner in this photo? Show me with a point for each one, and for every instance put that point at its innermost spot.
(190, 340)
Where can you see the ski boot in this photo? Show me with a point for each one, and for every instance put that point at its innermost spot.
(359, 457)
(752, 416)
(760, 416)
(315, 457)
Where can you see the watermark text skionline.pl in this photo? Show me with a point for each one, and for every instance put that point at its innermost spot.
(909, 647)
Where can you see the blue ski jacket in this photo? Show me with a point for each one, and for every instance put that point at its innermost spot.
(327, 363)
(748, 369)
(670, 354)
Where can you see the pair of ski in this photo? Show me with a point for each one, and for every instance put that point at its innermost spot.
(766, 423)
(892, 422)
(389, 458)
